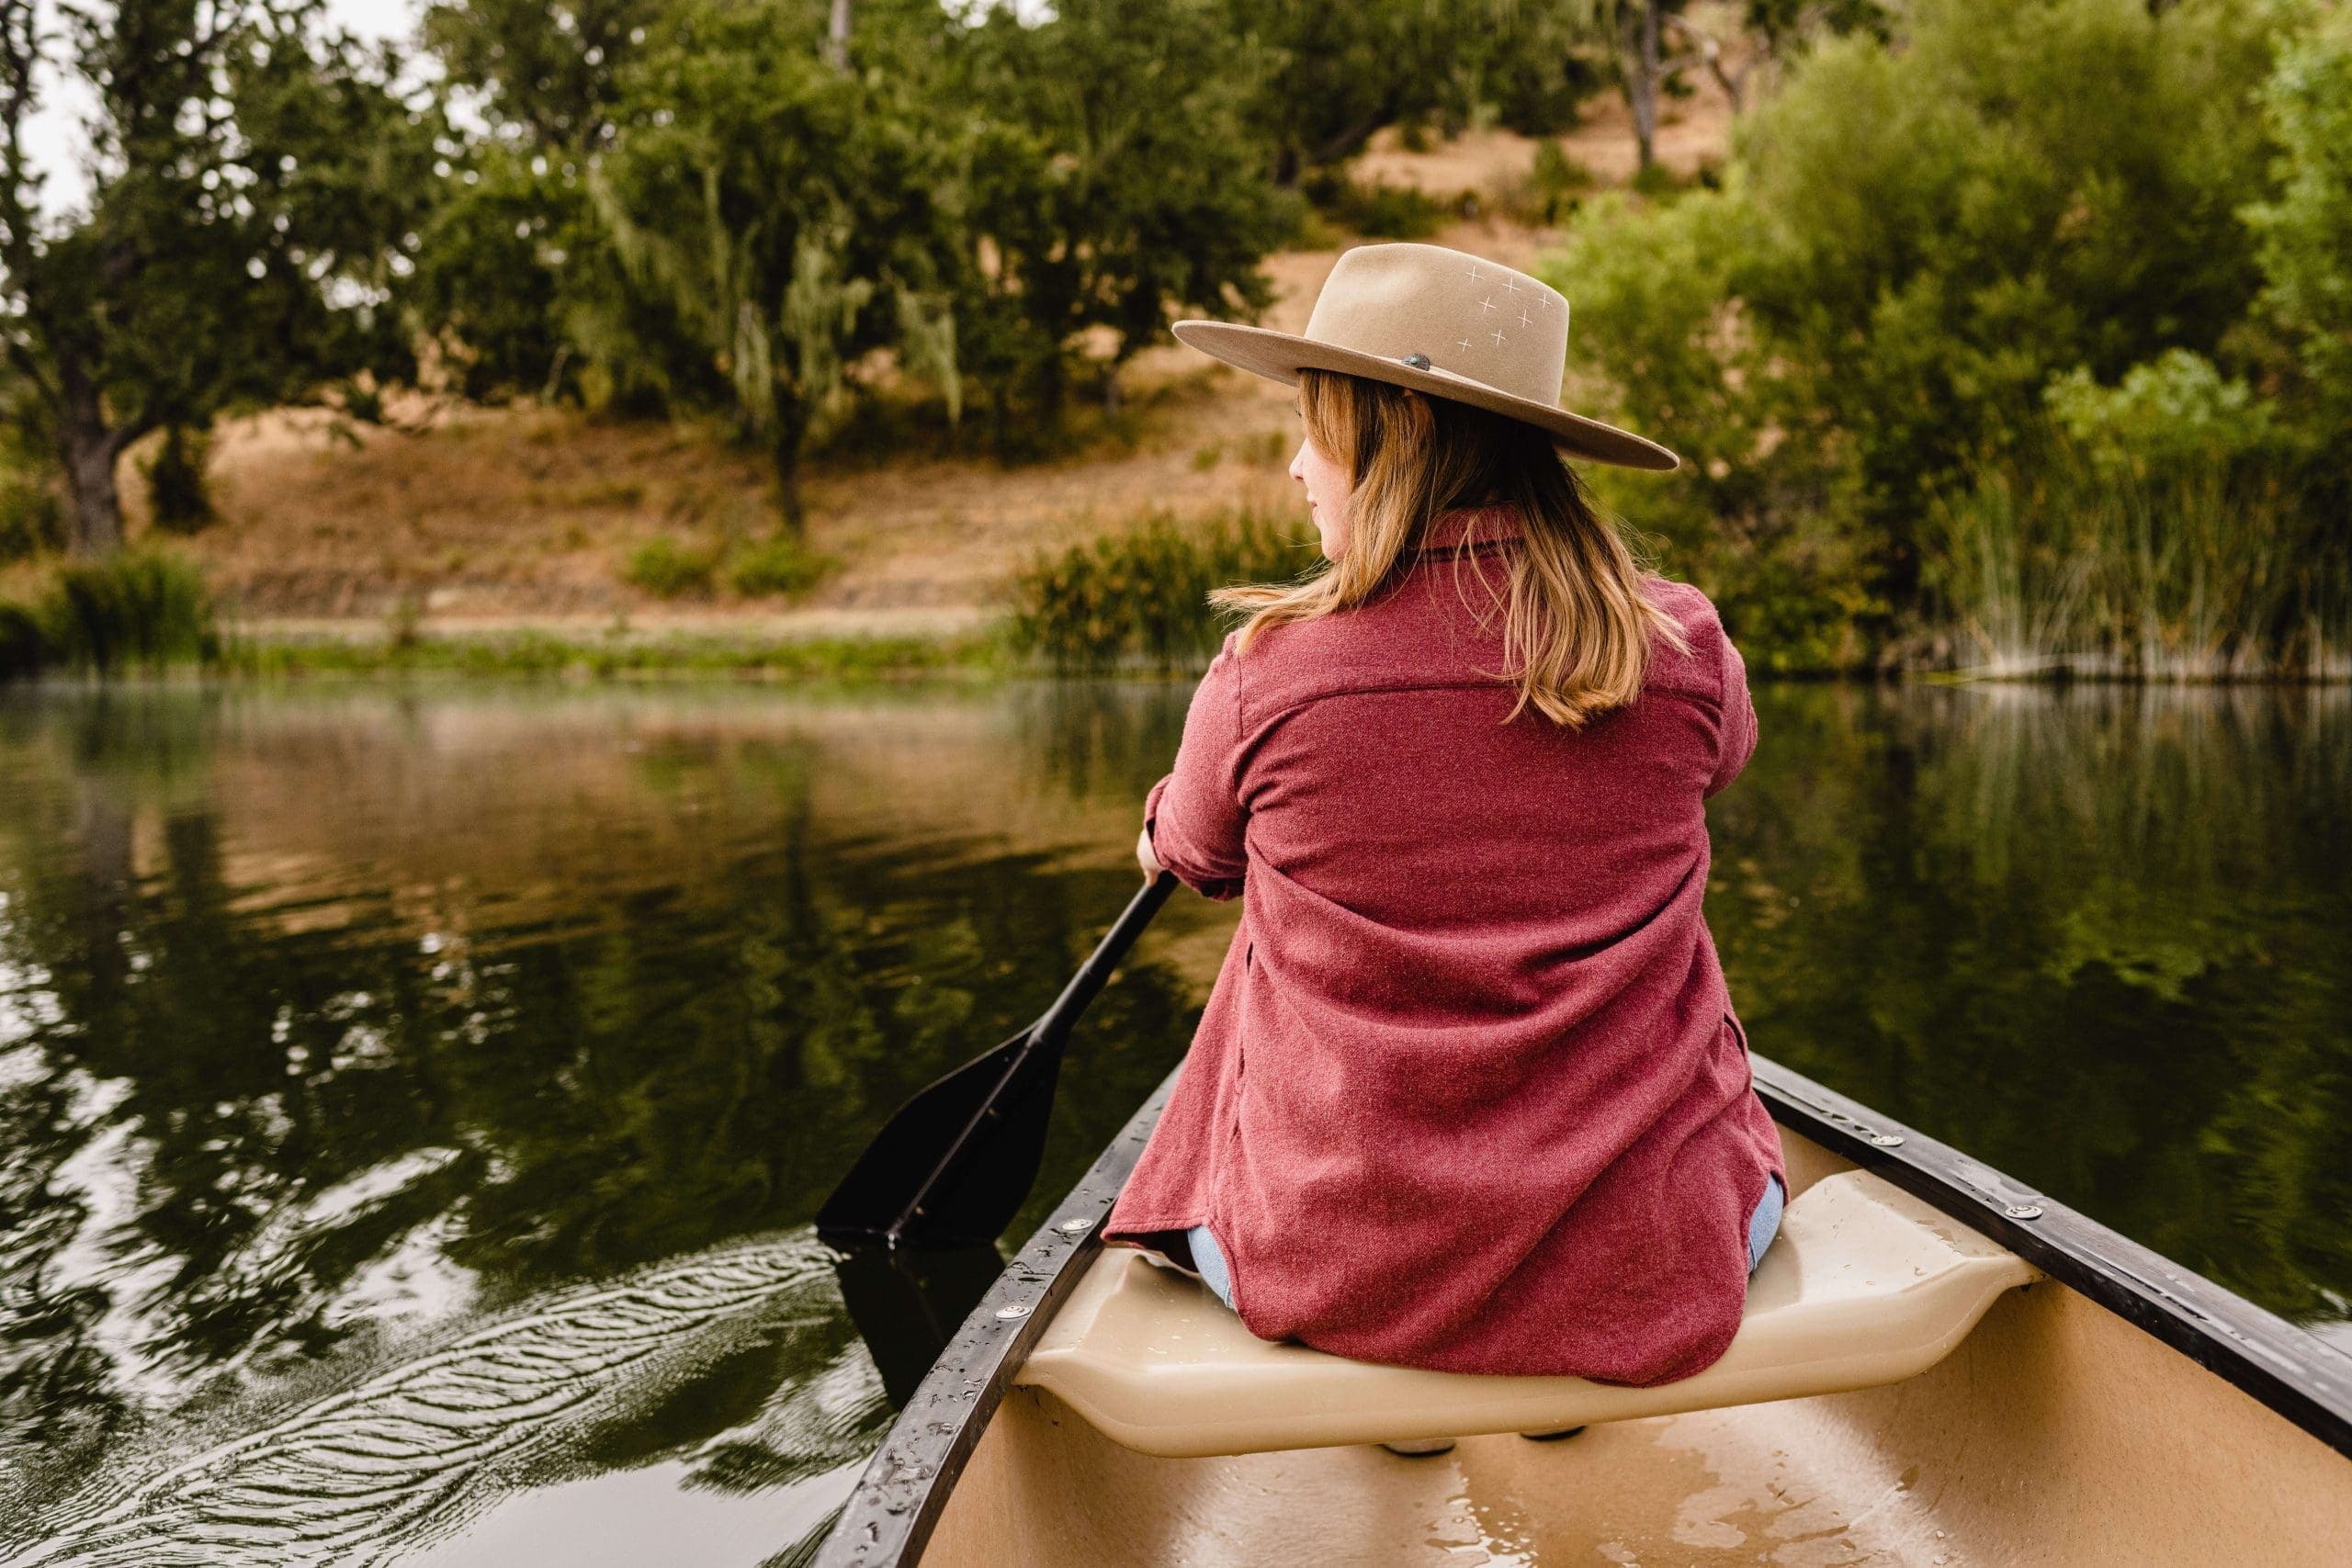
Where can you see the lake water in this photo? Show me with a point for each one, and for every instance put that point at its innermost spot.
(414, 1099)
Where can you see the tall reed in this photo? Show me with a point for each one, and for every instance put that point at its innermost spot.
(139, 608)
(2188, 572)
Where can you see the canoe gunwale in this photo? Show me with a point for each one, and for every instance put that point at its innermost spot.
(907, 1485)
(2289, 1370)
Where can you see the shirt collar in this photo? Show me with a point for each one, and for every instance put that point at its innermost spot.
(1462, 529)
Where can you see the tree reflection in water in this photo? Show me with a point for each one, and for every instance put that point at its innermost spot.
(246, 1143)
(370, 1056)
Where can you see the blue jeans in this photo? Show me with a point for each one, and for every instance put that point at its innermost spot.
(1208, 1258)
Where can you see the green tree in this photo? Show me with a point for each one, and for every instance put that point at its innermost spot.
(255, 180)
(1116, 175)
(548, 68)
(792, 217)
(1857, 322)
(2304, 234)
(517, 283)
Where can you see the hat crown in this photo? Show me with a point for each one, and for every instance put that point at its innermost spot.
(1470, 317)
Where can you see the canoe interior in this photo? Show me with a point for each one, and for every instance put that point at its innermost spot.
(2057, 1433)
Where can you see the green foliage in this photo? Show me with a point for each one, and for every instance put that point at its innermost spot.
(787, 214)
(23, 646)
(1142, 594)
(2037, 245)
(549, 67)
(176, 490)
(776, 567)
(2174, 412)
(674, 571)
(2304, 233)
(1112, 175)
(254, 182)
(510, 243)
(1552, 185)
(31, 520)
(1378, 209)
(539, 653)
(1534, 71)
(1338, 74)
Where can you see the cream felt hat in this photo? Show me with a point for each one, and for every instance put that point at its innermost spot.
(1442, 322)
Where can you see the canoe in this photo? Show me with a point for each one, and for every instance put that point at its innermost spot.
(1936, 1365)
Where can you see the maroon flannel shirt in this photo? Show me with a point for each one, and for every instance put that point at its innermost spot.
(1468, 1092)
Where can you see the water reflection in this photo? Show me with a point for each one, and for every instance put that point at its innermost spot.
(2101, 939)
(336, 1031)
(412, 1104)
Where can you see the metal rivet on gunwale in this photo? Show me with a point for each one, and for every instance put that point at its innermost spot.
(1887, 1140)
(1077, 1227)
(1018, 1309)
(2023, 1211)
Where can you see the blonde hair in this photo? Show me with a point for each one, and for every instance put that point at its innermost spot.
(1576, 623)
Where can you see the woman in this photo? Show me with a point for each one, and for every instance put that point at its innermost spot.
(1468, 1092)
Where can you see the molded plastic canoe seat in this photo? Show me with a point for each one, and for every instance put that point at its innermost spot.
(1865, 1284)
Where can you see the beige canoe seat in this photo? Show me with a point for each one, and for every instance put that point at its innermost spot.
(1865, 1284)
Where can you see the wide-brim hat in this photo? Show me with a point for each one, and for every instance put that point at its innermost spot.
(1442, 322)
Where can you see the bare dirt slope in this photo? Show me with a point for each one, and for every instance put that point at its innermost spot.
(512, 517)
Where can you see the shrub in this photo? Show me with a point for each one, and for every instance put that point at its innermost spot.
(175, 488)
(1142, 594)
(672, 571)
(24, 646)
(31, 520)
(1387, 211)
(1549, 188)
(778, 565)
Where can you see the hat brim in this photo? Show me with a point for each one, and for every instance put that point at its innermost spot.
(1282, 355)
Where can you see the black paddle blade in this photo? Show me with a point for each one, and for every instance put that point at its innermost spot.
(954, 1165)
(906, 1306)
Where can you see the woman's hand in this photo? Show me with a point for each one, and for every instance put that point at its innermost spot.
(1144, 854)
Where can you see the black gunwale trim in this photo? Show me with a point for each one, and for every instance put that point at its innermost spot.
(905, 1486)
(2290, 1370)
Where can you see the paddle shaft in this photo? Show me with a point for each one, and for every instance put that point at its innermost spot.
(1048, 1033)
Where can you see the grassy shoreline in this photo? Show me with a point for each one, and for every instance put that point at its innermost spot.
(603, 656)
(986, 654)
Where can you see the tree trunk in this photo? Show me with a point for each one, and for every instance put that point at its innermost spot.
(89, 452)
(837, 37)
(784, 454)
(1053, 392)
(1638, 33)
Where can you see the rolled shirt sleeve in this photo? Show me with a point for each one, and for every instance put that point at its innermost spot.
(1735, 741)
(1195, 815)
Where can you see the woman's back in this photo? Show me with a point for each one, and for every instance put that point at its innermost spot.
(1468, 1092)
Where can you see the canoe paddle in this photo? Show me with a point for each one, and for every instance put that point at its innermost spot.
(954, 1163)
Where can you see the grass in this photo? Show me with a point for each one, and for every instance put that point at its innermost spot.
(537, 653)
(146, 611)
(143, 609)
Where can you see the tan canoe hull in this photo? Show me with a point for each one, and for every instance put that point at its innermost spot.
(2057, 1433)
